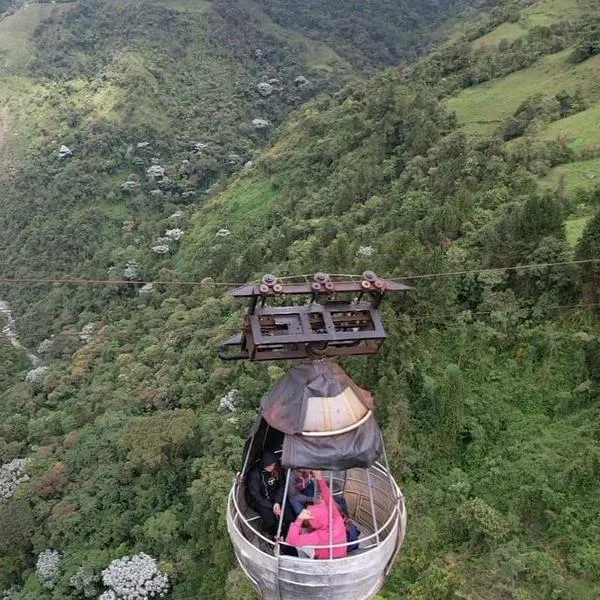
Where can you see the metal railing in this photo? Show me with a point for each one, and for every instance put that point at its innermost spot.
(379, 534)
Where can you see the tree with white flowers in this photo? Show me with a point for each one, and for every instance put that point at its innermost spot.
(366, 251)
(86, 333)
(174, 234)
(8, 594)
(227, 402)
(134, 578)
(45, 346)
(178, 214)
(132, 270)
(11, 475)
(47, 567)
(156, 172)
(35, 377)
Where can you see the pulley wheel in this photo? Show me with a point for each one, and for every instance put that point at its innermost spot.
(269, 279)
(369, 276)
(316, 349)
(321, 277)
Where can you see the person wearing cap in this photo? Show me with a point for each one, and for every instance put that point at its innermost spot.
(265, 485)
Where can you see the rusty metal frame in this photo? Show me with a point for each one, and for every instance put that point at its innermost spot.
(341, 318)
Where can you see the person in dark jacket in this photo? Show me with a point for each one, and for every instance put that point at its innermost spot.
(266, 484)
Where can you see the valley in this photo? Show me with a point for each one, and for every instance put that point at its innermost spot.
(154, 153)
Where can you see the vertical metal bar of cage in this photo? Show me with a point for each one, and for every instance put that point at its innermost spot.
(242, 476)
(265, 436)
(393, 487)
(331, 501)
(247, 458)
(375, 528)
(283, 503)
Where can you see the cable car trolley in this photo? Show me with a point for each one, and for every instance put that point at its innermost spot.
(317, 419)
(335, 318)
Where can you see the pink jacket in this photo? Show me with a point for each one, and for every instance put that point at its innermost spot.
(320, 523)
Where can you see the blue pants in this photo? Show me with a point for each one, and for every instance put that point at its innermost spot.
(298, 505)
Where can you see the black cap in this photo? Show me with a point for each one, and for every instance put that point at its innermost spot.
(268, 458)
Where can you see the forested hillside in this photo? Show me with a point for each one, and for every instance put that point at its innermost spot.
(154, 113)
(479, 158)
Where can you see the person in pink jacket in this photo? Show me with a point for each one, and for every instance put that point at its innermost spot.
(311, 527)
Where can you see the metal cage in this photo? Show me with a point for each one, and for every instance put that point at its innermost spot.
(375, 504)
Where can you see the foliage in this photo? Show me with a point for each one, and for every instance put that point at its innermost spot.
(366, 35)
(84, 583)
(588, 45)
(486, 389)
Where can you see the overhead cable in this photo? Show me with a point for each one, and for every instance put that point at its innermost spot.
(208, 281)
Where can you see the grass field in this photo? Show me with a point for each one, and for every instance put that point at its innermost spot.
(539, 14)
(506, 31)
(584, 174)
(245, 200)
(185, 5)
(482, 107)
(16, 49)
(574, 228)
(582, 130)
(549, 12)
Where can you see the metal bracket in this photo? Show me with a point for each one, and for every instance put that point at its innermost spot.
(335, 318)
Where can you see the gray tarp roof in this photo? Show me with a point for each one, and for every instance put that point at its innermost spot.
(316, 397)
(326, 418)
(358, 448)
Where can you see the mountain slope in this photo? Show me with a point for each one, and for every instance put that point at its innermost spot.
(370, 35)
(487, 388)
(172, 75)
(492, 106)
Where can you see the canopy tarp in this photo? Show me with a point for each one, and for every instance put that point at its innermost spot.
(325, 417)
(360, 447)
(316, 397)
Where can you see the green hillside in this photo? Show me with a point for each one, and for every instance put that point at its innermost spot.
(173, 75)
(482, 108)
(491, 107)
(487, 388)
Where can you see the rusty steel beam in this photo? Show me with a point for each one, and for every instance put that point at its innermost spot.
(341, 318)
(300, 289)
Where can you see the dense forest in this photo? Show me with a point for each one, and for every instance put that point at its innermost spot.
(371, 34)
(146, 158)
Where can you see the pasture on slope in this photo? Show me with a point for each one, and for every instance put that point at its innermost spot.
(16, 47)
(541, 13)
(482, 109)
